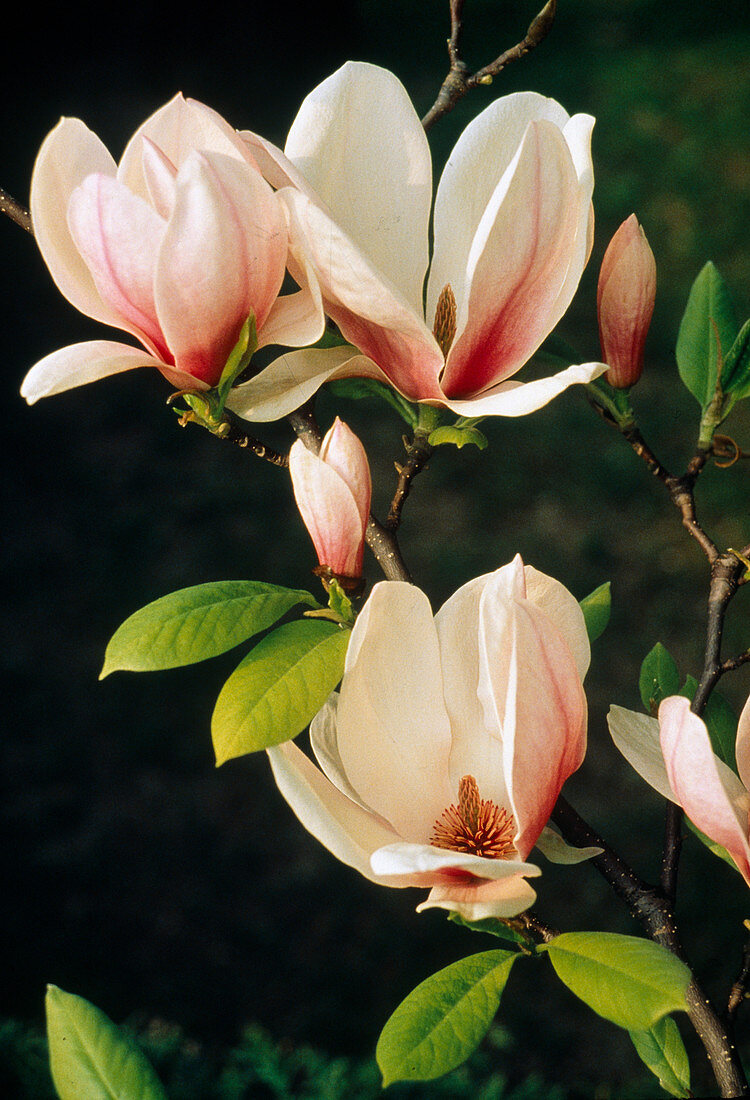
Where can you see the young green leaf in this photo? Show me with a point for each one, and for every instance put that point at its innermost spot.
(596, 608)
(492, 926)
(279, 687)
(444, 1019)
(196, 623)
(661, 1049)
(721, 722)
(735, 377)
(457, 436)
(630, 981)
(659, 677)
(90, 1058)
(707, 332)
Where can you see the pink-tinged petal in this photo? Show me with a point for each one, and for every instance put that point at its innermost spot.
(625, 302)
(223, 256)
(477, 747)
(636, 736)
(69, 154)
(79, 364)
(161, 179)
(556, 850)
(293, 378)
(742, 745)
(359, 143)
(329, 511)
(520, 398)
(479, 160)
(370, 311)
(342, 450)
(517, 265)
(393, 730)
(561, 606)
(119, 235)
(349, 832)
(501, 898)
(529, 680)
(296, 319)
(709, 792)
(179, 128)
(425, 865)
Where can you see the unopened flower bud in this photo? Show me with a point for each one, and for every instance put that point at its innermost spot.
(332, 490)
(625, 302)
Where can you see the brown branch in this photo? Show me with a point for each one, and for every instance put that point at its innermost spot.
(656, 915)
(418, 452)
(738, 992)
(17, 213)
(460, 80)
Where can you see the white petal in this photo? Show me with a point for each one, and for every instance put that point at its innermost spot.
(501, 898)
(423, 859)
(79, 364)
(518, 398)
(324, 741)
(358, 141)
(563, 609)
(293, 378)
(637, 738)
(347, 831)
(393, 730)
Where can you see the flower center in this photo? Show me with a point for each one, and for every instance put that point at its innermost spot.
(476, 825)
(444, 328)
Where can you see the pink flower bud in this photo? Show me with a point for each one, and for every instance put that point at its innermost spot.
(332, 490)
(625, 302)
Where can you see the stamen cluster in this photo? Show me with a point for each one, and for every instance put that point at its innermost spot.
(476, 825)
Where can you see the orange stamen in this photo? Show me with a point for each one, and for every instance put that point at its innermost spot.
(476, 825)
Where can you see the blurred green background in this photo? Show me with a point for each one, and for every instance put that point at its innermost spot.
(133, 872)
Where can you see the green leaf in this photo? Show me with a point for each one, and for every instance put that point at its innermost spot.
(659, 677)
(492, 926)
(444, 1019)
(239, 358)
(90, 1058)
(721, 722)
(661, 1049)
(630, 981)
(735, 377)
(279, 687)
(596, 608)
(457, 436)
(197, 623)
(707, 331)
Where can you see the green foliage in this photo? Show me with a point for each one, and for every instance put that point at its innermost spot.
(492, 926)
(661, 1049)
(735, 377)
(721, 722)
(457, 436)
(359, 389)
(444, 1019)
(596, 608)
(279, 687)
(196, 623)
(630, 981)
(659, 677)
(91, 1059)
(239, 359)
(707, 332)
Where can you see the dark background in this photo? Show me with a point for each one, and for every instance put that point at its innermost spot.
(133, 872)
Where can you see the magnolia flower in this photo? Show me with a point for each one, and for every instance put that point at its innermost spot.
(444, 753)
(674, 755)
(513, 228)
(177, 246)
(625, 302)
(332, 490)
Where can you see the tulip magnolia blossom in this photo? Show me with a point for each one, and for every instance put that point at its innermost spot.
(178, 246)
(442, 756)
(625, 302)
(513, 228)
(332, 490)
(675, 756)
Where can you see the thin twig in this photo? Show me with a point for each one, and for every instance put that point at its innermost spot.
(460, 80)
(738, 992)
(418, 452)
(17, 213)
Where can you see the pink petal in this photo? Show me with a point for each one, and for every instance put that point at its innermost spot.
(625, 302)
(370, 312)
(518, 263)
(519, 398)
(69, 154)
(296, 319)
(359, 144)
(709, 792)
(118, 235)
(329, 511)
(342, 450)
(161, 179)
(79, 364)
(223, 257)
(393, 731)
(561, 606)
(349, 832)
(742, 745)
(502, 898)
